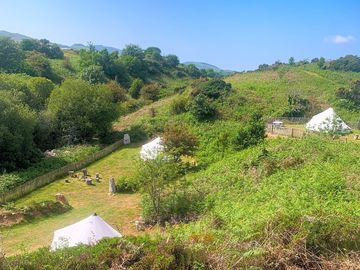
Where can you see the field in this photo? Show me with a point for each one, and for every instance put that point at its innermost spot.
(118, 210)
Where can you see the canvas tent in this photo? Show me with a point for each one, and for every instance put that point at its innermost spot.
(327, 121)
(152, 149)
(87, 231)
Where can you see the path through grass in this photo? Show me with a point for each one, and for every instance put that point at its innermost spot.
(118, 210)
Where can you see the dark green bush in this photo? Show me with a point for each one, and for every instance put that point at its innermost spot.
(202, 108)
(127, 184)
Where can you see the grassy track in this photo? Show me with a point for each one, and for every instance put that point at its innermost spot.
(118, 210)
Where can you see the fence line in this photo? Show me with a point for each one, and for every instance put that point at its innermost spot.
(47, 178)
(285, 131)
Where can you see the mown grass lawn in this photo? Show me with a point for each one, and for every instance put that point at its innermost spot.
(118, 210)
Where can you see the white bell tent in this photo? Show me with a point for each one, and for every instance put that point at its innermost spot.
(87, 231)
(327, 121)
(152, 149)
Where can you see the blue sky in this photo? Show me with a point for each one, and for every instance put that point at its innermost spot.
(230, 34)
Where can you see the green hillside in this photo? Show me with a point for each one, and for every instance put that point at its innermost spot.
(269, 90)
(226, 196)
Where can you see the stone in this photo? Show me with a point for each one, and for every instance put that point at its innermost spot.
(126, 139)
(112, 186)
(61, 199)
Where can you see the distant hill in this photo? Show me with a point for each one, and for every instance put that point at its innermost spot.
(77, 46)
(201, 65)
(14, 36)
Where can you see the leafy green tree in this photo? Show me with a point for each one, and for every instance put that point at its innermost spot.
(251, 133)
(40, 89)
(346, 63)
(179, 140)
(43, 46)
(214, 88)
(135, 88)
(81, 110)
(202, 108)
(134, 66)
(154, 177)
(17, 122)
(153, 54)
(321, 62)
(292, 61)
(134, 51)
(171, 60)
(11, 56)
(38, 65)
(93, 74)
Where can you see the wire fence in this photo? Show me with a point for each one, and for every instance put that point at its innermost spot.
(45, 179)
(285, 131)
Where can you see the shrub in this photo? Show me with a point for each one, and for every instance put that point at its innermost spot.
(127, 185)
(118, 92)
(179, 140)
(214, 88)
(93, 74)
(178, 105)
(150, 91)
(202, 108)
(135, 88)
(252, 133)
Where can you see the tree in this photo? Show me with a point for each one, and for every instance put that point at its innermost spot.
(154, 176)
(251, 133)
(81, 110)
(17, 122)
(291, 61)
(321, 62)
(93, 74)
(346, 63)
(11, 57)
(135, 88)
(134, 51)
(213, 89)
(179, 140)
(38, 65)
(171, 60)
(202, 108)
(40, 89)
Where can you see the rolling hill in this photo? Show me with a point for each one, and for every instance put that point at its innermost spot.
(206, 66)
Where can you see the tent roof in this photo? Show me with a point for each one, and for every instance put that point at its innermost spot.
(152, 149)
(87, 231)
(327, 121)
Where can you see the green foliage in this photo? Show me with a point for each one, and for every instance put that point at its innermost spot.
(179, 105)
(291, 61)
(350, 96)
(135, 88)
(127, 185)
(40, 89)
(251, 133)
(12, 58)
(82, 111)
(214, 88)
(150, 91)
(346, 63)
(38, 65)
(297, 105)
(202, 108)
(43, 46)
(179, 140)
(154, 177)
(118, 92)
(17, 123)
(93, 74)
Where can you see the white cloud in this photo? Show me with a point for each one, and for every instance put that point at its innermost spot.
(338, 39)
